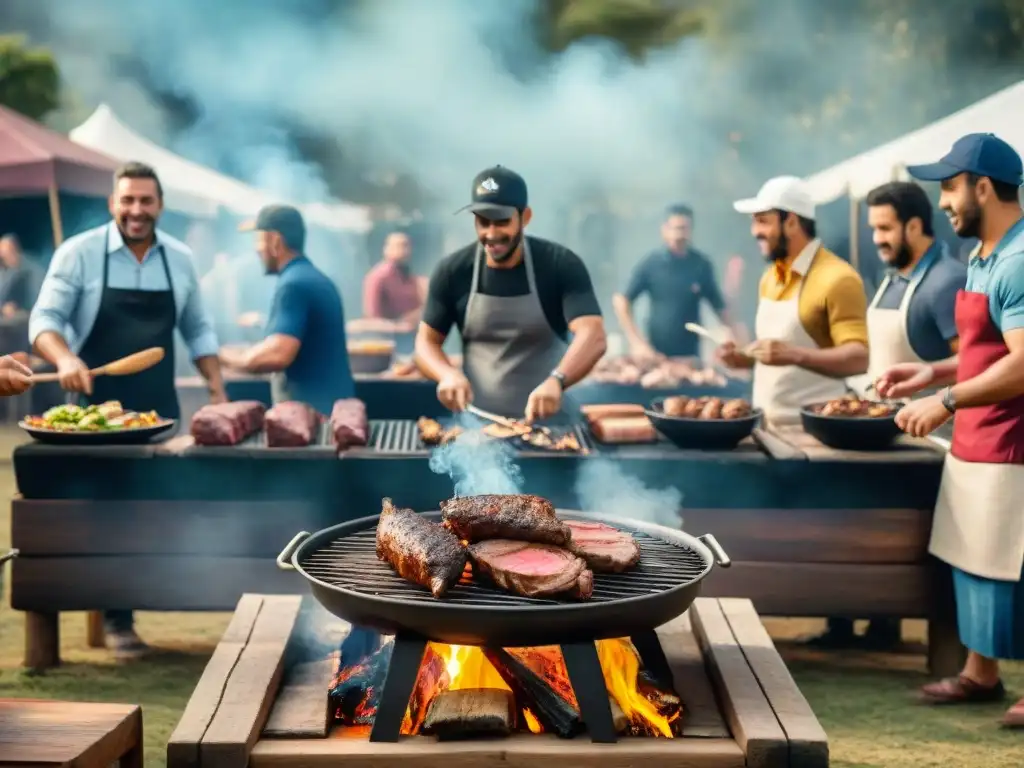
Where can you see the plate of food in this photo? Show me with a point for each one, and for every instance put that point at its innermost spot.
(852, 423)
(708, 423)
(103, 424)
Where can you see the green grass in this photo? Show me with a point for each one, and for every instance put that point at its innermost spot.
(864, 701)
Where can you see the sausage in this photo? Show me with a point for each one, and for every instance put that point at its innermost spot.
(694, 407)
(626, 429)
(735, 409)
(712, 409)
(675, 406)
(349, 425)
(601, 410)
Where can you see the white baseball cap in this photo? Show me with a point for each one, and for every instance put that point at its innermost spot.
(785, 193)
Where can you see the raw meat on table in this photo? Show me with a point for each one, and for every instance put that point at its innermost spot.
(227, 423)
(350, 426)
(291, 425)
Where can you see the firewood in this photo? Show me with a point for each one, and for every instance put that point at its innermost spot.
(618, 716)
(553, 712)
(470, 713)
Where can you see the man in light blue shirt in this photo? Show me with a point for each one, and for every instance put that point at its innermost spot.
(115, 290)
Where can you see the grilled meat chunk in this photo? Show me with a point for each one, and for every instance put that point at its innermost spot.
(603, 548)
(420, 551)
(532, 570)
(513, 516)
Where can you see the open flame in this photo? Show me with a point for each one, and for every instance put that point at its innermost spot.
(644, 707)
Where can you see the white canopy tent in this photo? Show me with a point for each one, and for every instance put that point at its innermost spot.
(1001, 113)
(193, 189)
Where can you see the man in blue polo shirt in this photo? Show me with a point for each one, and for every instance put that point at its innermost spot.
(305, 346)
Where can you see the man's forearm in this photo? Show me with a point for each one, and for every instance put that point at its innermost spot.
(431, 360)
(209, 367)
(51, 347)
(624, 314)
(945, 371)
(849, 359)
(1003, 380)
(587, 347)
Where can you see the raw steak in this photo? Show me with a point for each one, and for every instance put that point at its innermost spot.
(227, 423)
(532, 570)
(291, 425)
(512, 516)
(422, 552)
(349, 425)
(605, 549)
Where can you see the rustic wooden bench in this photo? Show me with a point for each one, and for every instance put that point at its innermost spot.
(69, 733)
(743, 709)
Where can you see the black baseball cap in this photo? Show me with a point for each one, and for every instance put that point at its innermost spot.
(983, 154)
(283, 219)
(497, 194)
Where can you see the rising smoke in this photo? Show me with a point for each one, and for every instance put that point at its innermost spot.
(603, 488)
(476, 463)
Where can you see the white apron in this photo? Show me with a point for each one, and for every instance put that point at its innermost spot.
(782, 390)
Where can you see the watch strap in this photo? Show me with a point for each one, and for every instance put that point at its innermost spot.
(948, 401)
(558, 376)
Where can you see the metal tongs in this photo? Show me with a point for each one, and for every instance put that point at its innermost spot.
(519, 426)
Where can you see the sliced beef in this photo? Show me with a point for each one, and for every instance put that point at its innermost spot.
(605, 549)
(532, 570)
(227, 423)
(350, 426)
(291, 425)
(512, 516)
(422, 552)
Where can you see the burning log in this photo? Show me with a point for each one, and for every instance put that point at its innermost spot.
(618, 716)
(532, 692)
(358, 685)
(471, 713)
(431, 681)
(359, 644)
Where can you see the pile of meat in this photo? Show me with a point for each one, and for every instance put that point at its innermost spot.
(706, 408)
(515, 541)
(663, 373)
(854, 407)
(433, 433)
(287, 425)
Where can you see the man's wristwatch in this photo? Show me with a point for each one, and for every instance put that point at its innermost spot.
(948, 400)
(558, 376)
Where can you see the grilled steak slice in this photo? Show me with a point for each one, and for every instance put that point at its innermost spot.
(422, 552)
(605, 549)
(532, 570)
(512, 516)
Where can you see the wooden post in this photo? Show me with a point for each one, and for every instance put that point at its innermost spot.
(95, 636)
(855, 232)
(58, 227)
(42, 640)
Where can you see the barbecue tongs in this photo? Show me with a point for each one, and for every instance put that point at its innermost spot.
(510, 423)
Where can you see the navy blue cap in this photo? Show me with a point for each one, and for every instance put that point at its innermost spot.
(983, 154)
(283, 219)
(497, 194)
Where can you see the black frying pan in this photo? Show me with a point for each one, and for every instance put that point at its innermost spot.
(851, 433)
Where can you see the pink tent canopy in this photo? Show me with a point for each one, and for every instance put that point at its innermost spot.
(35, 160)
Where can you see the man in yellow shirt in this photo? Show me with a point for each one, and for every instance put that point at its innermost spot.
(811, 325)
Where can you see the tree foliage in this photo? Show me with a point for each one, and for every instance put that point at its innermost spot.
(29, 78)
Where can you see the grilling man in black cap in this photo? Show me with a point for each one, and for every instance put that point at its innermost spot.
(525, 308)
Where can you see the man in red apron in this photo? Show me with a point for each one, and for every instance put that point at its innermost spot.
(979, 516)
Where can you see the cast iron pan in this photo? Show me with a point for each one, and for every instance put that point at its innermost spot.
(850, 433)
(702, 434)
(132, 436)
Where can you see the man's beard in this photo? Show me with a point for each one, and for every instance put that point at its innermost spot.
(122, 225)
(969, 219)
(902, 258)
(512, 242)
(780, 250)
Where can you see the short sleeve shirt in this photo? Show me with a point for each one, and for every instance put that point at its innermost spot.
(1001, 276)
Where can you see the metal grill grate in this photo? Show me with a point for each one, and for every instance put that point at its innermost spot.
(351, 563)
(398, 436)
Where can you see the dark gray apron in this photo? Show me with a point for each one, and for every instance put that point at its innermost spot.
(509, 347)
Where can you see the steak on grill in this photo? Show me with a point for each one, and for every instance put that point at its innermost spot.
(511, 516)
(605, 549)
(349, 424)
(422, 552)
(291, 425)
(532, 570)
(227, 423)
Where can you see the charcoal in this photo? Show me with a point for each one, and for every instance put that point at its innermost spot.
(553, 712)
(470, 713)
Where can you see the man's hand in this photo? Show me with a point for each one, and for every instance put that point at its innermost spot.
(15, 377)
(922, 417)
(74, 375)
(642, 352)
(232, 357)
(773, 352)
(731, 357)
(454, 391)
(545, 401)
(218, 396)
(9, 309)
(904, 380)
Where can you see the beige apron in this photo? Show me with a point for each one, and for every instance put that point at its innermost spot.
(782, 390)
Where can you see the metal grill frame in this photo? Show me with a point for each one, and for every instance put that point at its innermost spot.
(507, 621)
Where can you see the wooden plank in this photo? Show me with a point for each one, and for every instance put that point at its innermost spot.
(889, 536)
(776, 447)
(39, 733)
(805, 589)
(160, 527)
(904, 449)
(808, 744)
(518, 751)
(183, 747)
(302, 707)
(251, 687)
(701, 715)
(750, 716)
(158, 583)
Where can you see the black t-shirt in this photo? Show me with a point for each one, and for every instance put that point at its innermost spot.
(563, 286)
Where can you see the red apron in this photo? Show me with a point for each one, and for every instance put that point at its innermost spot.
(979, 517)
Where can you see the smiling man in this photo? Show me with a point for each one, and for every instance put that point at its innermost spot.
(516, 301)
(978, 527)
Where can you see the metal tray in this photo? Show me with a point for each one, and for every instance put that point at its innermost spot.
(131, 436)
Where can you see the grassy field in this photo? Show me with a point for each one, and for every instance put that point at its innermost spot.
(864, 701)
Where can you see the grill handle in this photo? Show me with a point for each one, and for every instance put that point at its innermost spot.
(709, 541)
(284, 559)
(9, 555)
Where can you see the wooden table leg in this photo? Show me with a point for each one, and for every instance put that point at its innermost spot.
(96, 636)
(946, 654)
(133, 758)
(42, 640)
